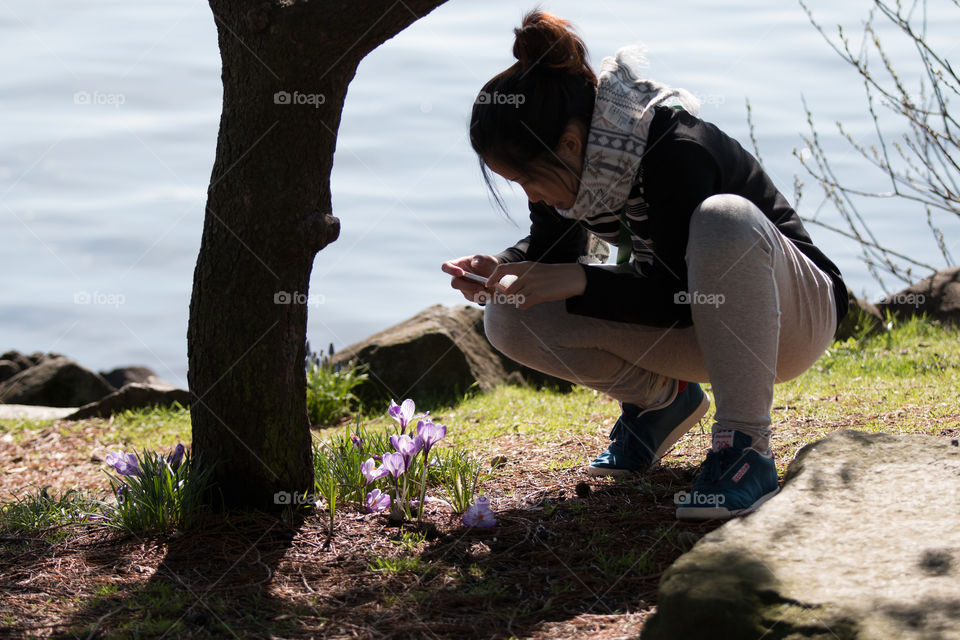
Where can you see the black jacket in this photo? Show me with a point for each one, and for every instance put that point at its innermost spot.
(686, 161)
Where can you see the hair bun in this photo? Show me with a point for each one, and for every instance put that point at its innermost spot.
(548, 41)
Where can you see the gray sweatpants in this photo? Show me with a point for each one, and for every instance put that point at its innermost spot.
(762, 313)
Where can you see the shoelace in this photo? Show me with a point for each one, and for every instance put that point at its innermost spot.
(719, 461)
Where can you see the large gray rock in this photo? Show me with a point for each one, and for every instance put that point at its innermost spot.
(55, 381)
(938, 296)
(133, 396)
(862, 542)
(433, 357)
(862, 319)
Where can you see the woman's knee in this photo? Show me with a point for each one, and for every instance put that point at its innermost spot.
(725, 224)
(501, 323)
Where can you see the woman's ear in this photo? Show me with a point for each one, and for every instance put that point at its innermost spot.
(572, 142)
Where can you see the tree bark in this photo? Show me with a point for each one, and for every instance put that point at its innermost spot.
(286, 67)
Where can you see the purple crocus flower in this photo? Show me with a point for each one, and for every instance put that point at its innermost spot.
(394, 464)
(357, 440)
(407, 447)
(377, 501)
(124, 463)
(479, 514)
(430, 433)
(371, 474)
(402, 413)
(175, 458)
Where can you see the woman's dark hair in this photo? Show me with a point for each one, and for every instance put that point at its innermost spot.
(520, 114)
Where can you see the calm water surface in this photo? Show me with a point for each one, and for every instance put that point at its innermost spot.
(110, 114)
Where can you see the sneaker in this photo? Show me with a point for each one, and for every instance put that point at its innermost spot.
(734, 480)
(641, 437)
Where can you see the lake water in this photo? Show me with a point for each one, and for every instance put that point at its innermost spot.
(110, 115)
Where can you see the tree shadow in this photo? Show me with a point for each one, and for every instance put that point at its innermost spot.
(207, 584)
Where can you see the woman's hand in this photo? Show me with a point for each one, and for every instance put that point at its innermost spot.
(480, 264)
(537, 282)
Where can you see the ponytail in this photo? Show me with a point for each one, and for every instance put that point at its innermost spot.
(548, 41)
(520, 114)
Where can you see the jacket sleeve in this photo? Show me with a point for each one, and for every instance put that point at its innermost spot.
(552, 239)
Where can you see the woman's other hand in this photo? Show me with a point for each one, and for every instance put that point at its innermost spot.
(480, 264)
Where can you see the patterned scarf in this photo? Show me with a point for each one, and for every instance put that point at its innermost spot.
(618, 131)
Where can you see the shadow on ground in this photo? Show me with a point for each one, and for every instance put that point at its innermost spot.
(570, 562)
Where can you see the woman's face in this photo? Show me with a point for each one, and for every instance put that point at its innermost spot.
(554, 185)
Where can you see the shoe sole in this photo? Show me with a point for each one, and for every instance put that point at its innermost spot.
(665, 446)
(721, 513)
(611, 472)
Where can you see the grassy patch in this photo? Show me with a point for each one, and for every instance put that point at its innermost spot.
(40, 512)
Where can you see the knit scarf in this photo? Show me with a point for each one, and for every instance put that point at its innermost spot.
(618, 131)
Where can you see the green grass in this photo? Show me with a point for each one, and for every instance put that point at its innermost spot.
(153, 428)
(523, 411)
(41, 511)
(402, 564)
(904, 381)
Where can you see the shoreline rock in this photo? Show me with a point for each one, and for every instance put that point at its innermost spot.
(435, 356)
(862, 542)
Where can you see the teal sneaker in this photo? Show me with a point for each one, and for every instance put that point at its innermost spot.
(734, 480)
(641, 437)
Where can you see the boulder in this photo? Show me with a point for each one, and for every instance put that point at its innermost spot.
(135, 395)
(862, 542)
(433, 357)
(22, 361)
(937, 296)
(8, 369)
(123, 376)
(56, 381)
(862, 319)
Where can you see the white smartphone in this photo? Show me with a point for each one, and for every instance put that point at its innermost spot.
(505, 281)
(474, 277)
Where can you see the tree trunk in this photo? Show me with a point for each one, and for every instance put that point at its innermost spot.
(286, 66)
